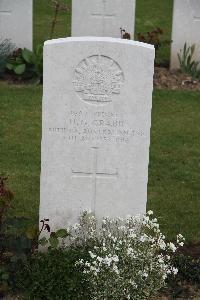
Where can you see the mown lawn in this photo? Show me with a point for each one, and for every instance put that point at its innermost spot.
(149, 15)
(174, 177)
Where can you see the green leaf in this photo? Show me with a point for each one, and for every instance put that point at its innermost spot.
(62, 233)
(9, 66)
(39, 50)
(20, 69)
(53, 242)
(19, 60)
(5, 276)
(27, 55)
(32, 232)
(43, 241)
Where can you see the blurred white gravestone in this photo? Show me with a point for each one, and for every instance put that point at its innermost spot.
(16, 22)
(186, 28)
(96, 128)
(103, 17)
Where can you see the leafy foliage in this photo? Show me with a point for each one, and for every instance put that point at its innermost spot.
(26, 64)
(189, 268)
(154, 38)
(15, 244)
(187, 63)
(52, 275)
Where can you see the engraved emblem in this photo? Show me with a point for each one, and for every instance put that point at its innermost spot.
(96, 78)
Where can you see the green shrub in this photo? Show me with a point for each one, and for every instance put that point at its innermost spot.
(189, 268)
(26, 64)
(154, 38)
(52, 276)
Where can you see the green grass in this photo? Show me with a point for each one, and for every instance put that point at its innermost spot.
(174, 177)
(149, 15)
(43, 16)
(155, 13)
(20, 127)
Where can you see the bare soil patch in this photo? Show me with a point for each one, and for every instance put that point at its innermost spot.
(174, 80)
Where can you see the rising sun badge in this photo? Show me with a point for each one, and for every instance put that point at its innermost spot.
(96, 78)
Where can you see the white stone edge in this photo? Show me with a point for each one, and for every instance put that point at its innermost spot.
(97, 39)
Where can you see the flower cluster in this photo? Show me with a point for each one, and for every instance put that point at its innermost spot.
(128, 258)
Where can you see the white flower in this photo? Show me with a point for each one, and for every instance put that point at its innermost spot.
(87, 264)
(142, 239)
(150, 212)
(79, 262)
(180, 236)
(115, 258)
(100, 259)
(129, 251)
(115, 269)
(161, 261)
(162, 244)
(172, 247)
(145, 274)
(175, 271)
(92, 254)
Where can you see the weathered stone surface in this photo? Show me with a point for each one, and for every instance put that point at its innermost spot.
(96, 128)
(16, 22)
(186, 28)
(102, 17)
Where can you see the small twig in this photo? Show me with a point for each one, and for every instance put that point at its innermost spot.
(58, 6)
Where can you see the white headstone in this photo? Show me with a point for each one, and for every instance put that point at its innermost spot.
(96, 128)
(102, 17)
(186, 28)
(16, 22)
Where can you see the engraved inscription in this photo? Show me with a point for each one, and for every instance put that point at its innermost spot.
(94, 174)
(97, 78)
(97, 126)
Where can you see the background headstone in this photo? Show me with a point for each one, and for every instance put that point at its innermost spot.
(96, 128)
(16, 22)
(186, 28)
(102, 17)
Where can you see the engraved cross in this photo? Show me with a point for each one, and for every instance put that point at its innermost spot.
(104, 14)
(196, 18)
(5, 12)
(94, 174)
